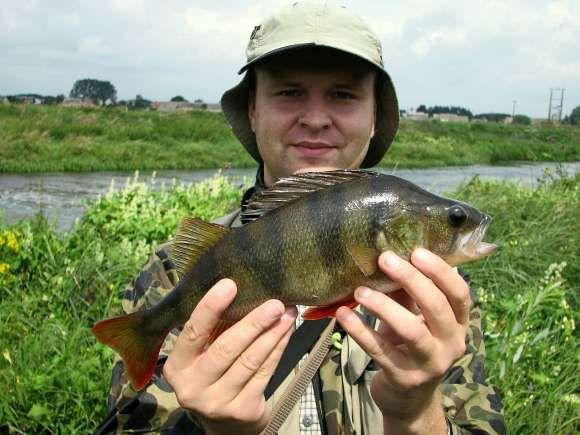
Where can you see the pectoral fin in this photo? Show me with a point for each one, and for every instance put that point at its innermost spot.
(316, 313)
(365, 258)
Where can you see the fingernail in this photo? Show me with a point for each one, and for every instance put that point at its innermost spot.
(421, 254)
(274, 309)
(392, 260)
(290, 313)
(363, 292)
(224, 288)
(345, 315)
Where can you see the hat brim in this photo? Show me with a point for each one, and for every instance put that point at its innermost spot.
(234, 103)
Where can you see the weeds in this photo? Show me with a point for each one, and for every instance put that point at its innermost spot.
(52, 138)
(54, 376)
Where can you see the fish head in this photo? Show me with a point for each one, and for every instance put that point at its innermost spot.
(416, 218)
(455, 232)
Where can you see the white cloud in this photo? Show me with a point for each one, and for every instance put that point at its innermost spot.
(478, 52)
(437, 39)
(94, 46)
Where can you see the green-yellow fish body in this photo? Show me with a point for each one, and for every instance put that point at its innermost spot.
(311, 240)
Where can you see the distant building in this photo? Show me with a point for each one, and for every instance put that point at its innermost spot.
(508, 120)
(172, 106)
(417, 116)
(180, 106)
(213, 107)
(78, 102)
(450, 117)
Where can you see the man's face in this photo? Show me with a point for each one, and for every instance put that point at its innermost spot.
(307, 119)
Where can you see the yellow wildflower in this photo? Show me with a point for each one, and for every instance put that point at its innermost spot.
(6, 356)
(12, 241)
(4, 268)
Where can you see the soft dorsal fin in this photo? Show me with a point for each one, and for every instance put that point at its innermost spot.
(194, 237)
(289, 189)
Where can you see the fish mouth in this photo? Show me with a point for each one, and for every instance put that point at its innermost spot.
(471, 246)
(476, 245)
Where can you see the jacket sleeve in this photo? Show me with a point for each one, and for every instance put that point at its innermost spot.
(472, 406)
(153, 409)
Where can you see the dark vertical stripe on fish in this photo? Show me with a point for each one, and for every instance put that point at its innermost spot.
(267, 247)
(376, 215)
(329, 245)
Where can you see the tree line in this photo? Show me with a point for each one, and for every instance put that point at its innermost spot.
(103, 92)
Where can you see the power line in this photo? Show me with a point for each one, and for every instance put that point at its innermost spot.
(554, 106)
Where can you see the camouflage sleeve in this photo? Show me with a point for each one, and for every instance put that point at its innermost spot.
(472, 406)
(155, 408)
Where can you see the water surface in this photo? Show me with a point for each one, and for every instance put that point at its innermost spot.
(62, 196)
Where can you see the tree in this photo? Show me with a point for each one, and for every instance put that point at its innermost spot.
(455, 110)
(178, 99)
(522, 119)
(139, 103)
(96, 90)
(574, 117)
(492, 117)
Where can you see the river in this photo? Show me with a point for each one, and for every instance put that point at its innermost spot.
(62, 196)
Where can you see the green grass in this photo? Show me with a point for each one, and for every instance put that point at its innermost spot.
(53, 138)
(54, 376)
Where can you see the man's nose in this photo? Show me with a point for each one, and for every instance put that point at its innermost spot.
(315, 114)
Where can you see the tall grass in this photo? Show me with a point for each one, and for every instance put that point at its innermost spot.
(530, 295)
(53, 287)
(54, 375)
(53, 138)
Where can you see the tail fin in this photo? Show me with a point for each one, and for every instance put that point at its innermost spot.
(139, 350)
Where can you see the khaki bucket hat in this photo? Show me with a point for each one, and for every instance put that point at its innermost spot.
(302, 25)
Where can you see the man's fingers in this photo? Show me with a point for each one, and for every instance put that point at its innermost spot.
(227, 348)
(252, 361)
(374, 345)
(447, 280)
(434, 305)
(257, 384)
(406, 325)
(202, 322)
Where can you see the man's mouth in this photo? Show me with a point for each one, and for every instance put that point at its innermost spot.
(313, 149)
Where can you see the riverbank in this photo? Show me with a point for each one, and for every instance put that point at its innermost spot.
(54, 376)
(56, 139)
(62, 196)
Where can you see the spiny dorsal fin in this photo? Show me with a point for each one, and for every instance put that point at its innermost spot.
(194, 237)
(289, 189)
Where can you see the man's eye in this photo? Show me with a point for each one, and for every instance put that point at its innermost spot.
(289, 93)
(343, 95)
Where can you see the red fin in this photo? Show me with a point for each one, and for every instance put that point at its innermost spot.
(221, 327)
(139, 352)
(315, 313)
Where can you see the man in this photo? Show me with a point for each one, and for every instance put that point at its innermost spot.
(316, 97)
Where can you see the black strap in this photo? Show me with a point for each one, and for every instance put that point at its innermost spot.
(303, 339)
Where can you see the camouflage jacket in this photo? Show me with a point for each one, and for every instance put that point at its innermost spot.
(346, 407)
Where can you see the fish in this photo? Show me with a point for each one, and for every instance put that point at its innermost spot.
(310, 239)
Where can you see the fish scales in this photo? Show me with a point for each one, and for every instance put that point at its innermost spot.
(311, 240)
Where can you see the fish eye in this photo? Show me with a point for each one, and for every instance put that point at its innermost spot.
(456, 216)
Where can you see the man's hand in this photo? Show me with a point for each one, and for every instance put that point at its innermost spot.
(422, 333)
(223, 383)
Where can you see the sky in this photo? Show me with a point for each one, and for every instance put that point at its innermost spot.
(477, 54)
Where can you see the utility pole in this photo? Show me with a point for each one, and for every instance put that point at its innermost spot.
(514, 108)
(555, 107)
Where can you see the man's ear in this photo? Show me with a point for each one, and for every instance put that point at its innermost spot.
(252, 109)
